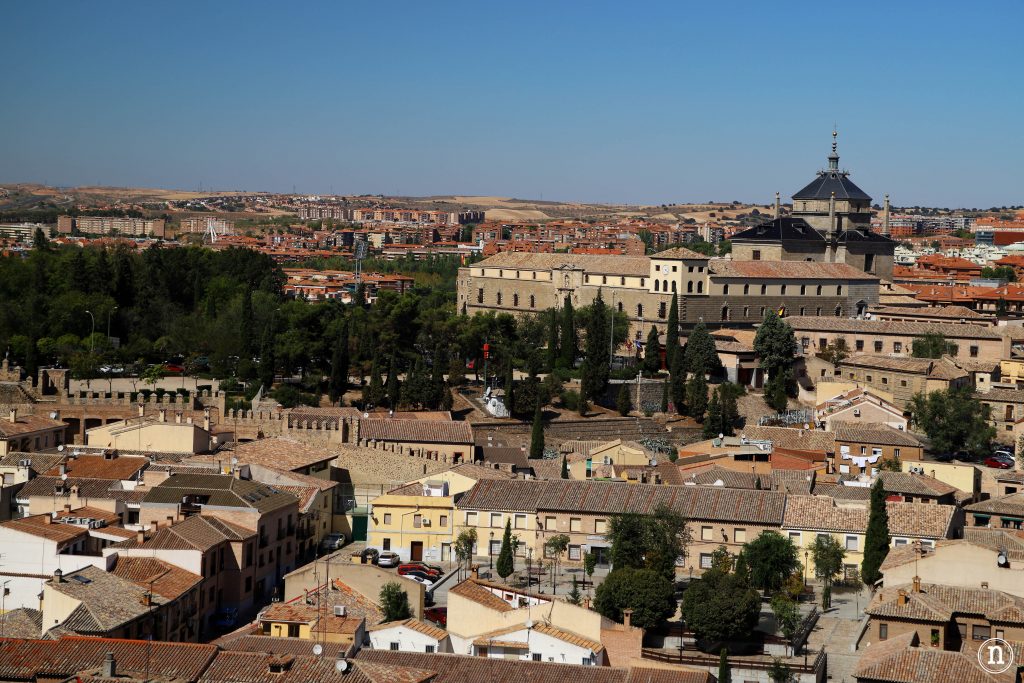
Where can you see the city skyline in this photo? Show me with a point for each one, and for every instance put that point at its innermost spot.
(666, 104)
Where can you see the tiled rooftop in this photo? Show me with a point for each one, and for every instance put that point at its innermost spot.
(222, 490)
(417, 431)
(876, 434)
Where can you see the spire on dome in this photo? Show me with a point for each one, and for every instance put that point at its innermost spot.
(833, 158)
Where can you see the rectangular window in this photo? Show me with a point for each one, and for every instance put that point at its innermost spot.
(852, 543)
(739, 535)
(822, 343)
(757, 254)
(429, 649)
(896, 452)
(387, 544)
(981, 632)
(575, 553)
(443, 521)
(897, 347)
(883, 631)
(859, 344)
(549, 523)
(794, 536)
(417, 521)
(885, 381)
(575, 524)
(705, 560)
(706, 533)
(600, 526)
(470, 519)
(974, 352)
(495, 519)
(519, 522)
(537, 657)
(899, 542)
(394, 646)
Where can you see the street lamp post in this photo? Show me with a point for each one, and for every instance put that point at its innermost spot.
(490, 552)
(807, 556)
(92, 336)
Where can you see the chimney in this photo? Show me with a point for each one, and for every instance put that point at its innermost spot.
(917, 584)
(63, 469)
(140, 535)
(58, 576)
(901, 598)
(206, 419)
(109, 666)
(14, 415)
(627, 617)
(67, 507)
(170, 520)
(885, 217)
(147, 599)
(777, 205)
(984, 584)
(48, 519)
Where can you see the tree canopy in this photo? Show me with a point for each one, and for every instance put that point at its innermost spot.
(647, 592)
(771, 557)
(876, 540)
(932, 345)
(953, 419)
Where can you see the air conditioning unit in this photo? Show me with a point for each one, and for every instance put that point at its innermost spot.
(426, 522)
(24, 463)
(339, 610)
(856, 412)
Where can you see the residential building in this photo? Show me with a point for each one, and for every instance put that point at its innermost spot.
(947, 617)
(30, 433)
(1005, 512)
(410, 635)
(448, 438)
(907, 658)
(614, 453)
(297, 619)
(917, 487)
(1006, 411)
(154, 434)
(862, 448)
(900, 377)
(859, 405)
(259, 667)
(111, 225)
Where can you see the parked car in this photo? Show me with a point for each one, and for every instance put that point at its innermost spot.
(999, 462)
(370, 555)
(415, 567)
(388, 558)
(434, 578)
(438, 615)
(427, 567)
(332, 542)
(1002, 452)
(419, 579)
(962, 456)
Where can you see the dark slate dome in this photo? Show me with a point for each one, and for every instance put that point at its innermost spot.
(832, 180)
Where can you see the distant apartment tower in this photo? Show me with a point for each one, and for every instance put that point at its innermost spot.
(111, 225)
(203, 224)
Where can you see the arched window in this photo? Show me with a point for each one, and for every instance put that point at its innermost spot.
(725, 289)
(746, 311)
(515, 299)
(725, 312)
(764, 289)
(664, 285)
(819, 290)
(817, 311)
(620, 307)
(783, 290)
(803, 290)
(689, 287)
(839, 311)
(673, 285)
(657, 285)
(533, 301)
(639, 310)
(700, 287)
(746, 289)
(803, 310)
(498, 297)
(839, 290)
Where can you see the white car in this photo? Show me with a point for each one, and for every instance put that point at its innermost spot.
(388, 558)
(426, 582)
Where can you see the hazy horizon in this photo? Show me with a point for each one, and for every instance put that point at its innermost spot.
(596, 103)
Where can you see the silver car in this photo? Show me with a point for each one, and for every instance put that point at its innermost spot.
(388, 558)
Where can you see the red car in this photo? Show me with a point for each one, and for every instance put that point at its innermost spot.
(415, 567)
(999, 462)
(438, 615)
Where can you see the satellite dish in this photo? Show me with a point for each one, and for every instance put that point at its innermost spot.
(318, 649)
(341, 666)
(60, 448)
(1001, 559)
(53, 415)
(529, 623)
(366, 415)
(64, 476)
(806, 426)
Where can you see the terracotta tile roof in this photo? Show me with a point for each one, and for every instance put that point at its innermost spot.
(494, 494)
(869, 433)
(166, 579)
(915, 484)
(375, 467)
(38, 462)
(22, 623)
(222, 491)
(473, 590)
(121, 467)
(27, 659)
(788, 270)
(91, 513)
(679, 253)
(900, 659)
(274, 645)
(27, 424)
(795, 439)
(1010, 540)
(566, 636)
(198, 532)
(610, 265)
(1011, 505)
(838, 491)
(257, 667)
(108, 601)
(417, 431)
(418, 625)
(37, 525)
(103, 489)
(291, 612)
(949, 312)
(817, 513)
(936, 602)
(305, 495)
(1000, 395)
(478, 472)
(280, 453)
(910, 329)
(716, 475)
(920, 520)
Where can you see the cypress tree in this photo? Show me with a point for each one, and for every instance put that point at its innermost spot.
(392, 385)
(672, 332)
(677, 383)
(652, 352)
(624, 402)
(700, 354)
(713, 422)
(596, 359)
(664, 397)
(730, 413)
(565, 468)
(339, 366)
(697, 397)
(584, 404)
(876, 540)
(568, 346)
(552, 350)
(537, 435)
(506, 563)
(373, 391)
(724, 670)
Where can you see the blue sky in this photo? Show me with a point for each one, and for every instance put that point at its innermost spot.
(589, 101)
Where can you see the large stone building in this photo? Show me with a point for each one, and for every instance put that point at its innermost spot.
(830, 223)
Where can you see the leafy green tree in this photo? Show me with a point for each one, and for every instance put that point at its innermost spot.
(787, 615)
(697, 396)
(730, 412)
(552, 351)
(648, 593)
(652, 541)
(876, 540)
(932, 345)
(589, 565)
(565, 467)
(775, 344)
(672, 332)
(537, 435)
(268, 363)
(1006, 273)
(772, 557)
(339, 367)
(954, 420)
(623, 402)
(836, 351)
(568, 345)
(828, 555)
(775, 391)
(394, 602)
(464, 544)
(652, 353)
(373, 391)
(555, 547)
(699, 354)
(779, 672)
(506, 560)
(574, 596)
(721, 607)
(713, 421)
(724, 670)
